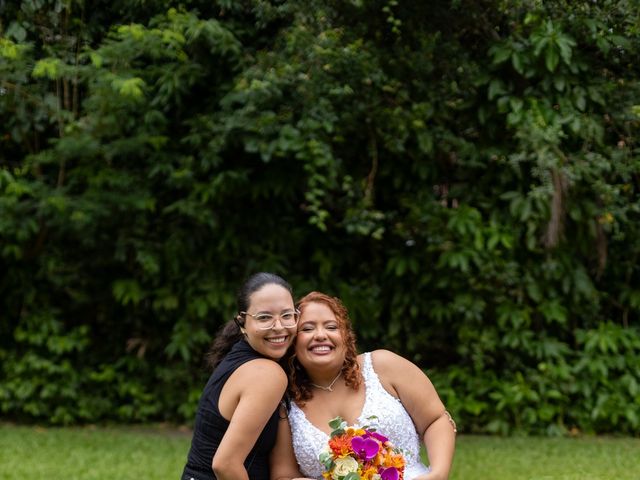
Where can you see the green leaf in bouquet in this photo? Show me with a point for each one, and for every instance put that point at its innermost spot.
(326, 460)
(338, 426)
(336, 422)
(372, 421)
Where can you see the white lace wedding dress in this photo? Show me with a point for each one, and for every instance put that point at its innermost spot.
(393, 422)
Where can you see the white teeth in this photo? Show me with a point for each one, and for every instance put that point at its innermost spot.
(321, 348)
(277, 340)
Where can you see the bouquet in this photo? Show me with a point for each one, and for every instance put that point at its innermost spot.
(355, 453)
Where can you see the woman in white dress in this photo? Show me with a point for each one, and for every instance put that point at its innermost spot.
(327, 378)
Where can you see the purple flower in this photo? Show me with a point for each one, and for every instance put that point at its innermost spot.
(366, 448)
(382, 438)
(390, 473)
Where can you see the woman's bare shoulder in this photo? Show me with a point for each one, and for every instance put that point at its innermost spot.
(260, 369)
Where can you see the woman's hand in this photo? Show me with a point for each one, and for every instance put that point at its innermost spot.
(430, 476)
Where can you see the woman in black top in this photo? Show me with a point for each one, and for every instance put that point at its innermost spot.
(236, 421)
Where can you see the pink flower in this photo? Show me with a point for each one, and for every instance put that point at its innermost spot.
(366, 448)
(390, 473)
(377, 436)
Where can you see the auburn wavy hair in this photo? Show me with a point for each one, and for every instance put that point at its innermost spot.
(300, 389)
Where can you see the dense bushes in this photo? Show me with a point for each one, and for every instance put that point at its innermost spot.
(463, 174)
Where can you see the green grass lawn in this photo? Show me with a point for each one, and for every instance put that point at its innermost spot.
(536, 458)
(119, 453)
(158, 453)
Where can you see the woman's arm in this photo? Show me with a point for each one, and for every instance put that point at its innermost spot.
(259, 386)
(282, 459)
(419, 397)
(439, 440)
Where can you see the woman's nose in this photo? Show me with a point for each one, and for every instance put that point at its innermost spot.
(320, 334)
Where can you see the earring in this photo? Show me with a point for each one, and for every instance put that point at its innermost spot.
(240, 326)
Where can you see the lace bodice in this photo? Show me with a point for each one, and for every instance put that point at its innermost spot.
(393, 421)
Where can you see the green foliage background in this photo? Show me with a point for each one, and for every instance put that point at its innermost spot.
(465, 175)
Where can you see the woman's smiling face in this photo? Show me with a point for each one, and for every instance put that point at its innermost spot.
(275, 300)
(320, 341)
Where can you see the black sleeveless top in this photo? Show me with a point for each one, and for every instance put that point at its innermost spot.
(210, 426)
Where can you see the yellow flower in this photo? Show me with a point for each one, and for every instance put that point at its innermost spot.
(394, 460)
(370, 473)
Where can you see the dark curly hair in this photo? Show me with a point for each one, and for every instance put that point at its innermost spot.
(230, 332)
(300, 388)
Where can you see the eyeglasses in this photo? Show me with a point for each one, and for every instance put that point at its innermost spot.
(266, 320)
